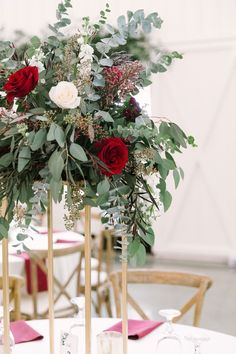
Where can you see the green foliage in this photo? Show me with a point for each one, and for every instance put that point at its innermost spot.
(43, 146)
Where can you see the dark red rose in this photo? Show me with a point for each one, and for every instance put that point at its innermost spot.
(132, 110)
(20, 83)
(113, 152)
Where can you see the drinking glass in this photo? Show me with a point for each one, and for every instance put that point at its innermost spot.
(79, 302)
(197, 341)
(109, 343)
(11, 338)
(169, 342)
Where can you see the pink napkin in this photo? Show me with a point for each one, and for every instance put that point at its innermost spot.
(22, 332)
(41, 276)
(136, 328)
(45, 232)
(68, 241)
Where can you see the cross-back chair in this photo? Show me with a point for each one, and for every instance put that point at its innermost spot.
(148, 276)
(38, 258)
(15, 284)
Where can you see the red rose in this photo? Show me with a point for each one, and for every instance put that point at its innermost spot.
(20, 83)
(113, 152)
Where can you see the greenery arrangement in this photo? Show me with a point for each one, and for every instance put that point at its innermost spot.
(69, 122)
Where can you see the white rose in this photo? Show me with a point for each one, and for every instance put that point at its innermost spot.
(65, 95)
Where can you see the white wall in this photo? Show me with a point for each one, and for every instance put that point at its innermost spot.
(199, 94)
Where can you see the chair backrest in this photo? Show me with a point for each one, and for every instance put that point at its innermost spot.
(150, 276)
(15, 284)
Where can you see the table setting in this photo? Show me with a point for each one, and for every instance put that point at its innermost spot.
(210, 342)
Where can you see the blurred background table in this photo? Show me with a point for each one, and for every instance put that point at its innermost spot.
(68, 248)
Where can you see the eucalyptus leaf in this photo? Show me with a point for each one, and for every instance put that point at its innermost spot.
(56, 165)
(23, 158)
(103, 187)
(176, 177)
(39, 139)
(106, 62)
(51, 132)
(166, 199)
(105, 115)
(78, 152)
(59, 136)
(6, 160)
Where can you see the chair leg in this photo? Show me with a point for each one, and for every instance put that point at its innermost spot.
(108, 303)
(34, 285)
(99, 303)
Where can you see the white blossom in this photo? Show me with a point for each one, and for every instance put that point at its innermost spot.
(36, 60)
(86, 53)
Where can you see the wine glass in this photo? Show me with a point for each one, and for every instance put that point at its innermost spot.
(169, 342)
(109, 343)
(197, 341)
(79, 302)
(11, 338)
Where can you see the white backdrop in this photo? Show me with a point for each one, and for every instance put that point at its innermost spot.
(199, 94)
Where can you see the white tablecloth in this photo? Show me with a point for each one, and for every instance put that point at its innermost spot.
(218, 343)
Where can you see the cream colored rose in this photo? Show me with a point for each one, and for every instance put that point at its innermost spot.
(65, 95)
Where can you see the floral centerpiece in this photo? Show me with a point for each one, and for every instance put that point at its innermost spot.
(69, 121)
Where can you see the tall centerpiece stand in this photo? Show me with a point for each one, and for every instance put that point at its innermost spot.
(5, 279)
(50, 274)
(87, 250)
(124, 294)
(51, 283)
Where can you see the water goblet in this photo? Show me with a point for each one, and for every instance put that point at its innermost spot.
(79, 302)
(169, 342)
(109, 343)
(197, 341)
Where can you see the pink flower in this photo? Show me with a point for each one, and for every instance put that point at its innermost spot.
(112, 75)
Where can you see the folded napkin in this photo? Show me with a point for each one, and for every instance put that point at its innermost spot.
(136, 328)
(67, 241)
(41, 276)
(44, 230)
(22, 332)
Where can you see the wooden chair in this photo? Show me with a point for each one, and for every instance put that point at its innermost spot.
(38, 258)
(15, 284)
(149, 276)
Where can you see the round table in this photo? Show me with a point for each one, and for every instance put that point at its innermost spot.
(218, 343)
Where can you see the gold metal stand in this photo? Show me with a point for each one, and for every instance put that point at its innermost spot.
(88, 279)
(5, 275)
(124, 295)
(50, 274)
